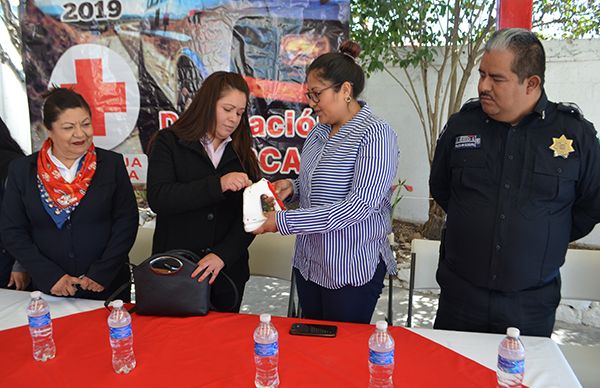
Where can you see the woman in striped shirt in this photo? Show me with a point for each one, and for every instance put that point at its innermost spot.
(349, 163)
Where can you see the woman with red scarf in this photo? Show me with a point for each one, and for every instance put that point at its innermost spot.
(69, 215)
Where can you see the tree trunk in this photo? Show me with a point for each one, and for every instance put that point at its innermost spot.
(432, 229)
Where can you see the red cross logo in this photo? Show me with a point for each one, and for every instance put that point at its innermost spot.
(105, 79)
(103, 97)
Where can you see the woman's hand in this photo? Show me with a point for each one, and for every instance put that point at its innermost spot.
(65, 286)
(212, 264)
(90, 285)
(270, 225)
(234, 181)
(284, 188)
(19, 279)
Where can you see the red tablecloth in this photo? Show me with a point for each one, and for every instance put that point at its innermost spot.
(217, 351)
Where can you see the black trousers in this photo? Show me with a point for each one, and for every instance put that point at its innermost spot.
(465, 307)
(222, 295)
(6, 264)
(346, 304)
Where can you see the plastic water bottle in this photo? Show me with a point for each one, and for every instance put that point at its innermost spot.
(511, 359)
(266, 353)
(40, 328)
(121, 338)
(381, 357)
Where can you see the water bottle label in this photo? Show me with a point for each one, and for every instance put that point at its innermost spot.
(381, 358)
(120, 332)
(511, 366)
(41, 321)
(266, 350)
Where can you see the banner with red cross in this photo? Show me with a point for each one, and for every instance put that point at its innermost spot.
(138, 64)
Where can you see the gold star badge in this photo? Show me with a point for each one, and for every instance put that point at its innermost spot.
(562, 146)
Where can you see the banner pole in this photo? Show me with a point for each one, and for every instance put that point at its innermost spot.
(514, 14)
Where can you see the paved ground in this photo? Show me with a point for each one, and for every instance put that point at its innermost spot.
(271, 295)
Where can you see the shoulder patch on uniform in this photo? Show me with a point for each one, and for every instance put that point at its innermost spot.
(570, 108)
(470, 104)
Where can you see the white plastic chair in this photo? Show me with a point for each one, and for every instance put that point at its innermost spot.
(579, 277)
(271, 255)
(423, 266)
(142, 247)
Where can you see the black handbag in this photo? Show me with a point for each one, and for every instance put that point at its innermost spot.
(164, 286)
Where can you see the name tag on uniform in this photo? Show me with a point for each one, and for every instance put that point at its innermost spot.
(467, 142)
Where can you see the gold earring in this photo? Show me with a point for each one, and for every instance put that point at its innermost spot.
(348, 99)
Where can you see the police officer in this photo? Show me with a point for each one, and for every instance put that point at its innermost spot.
(519, 178)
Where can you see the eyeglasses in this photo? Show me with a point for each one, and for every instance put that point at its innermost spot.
(314, 96)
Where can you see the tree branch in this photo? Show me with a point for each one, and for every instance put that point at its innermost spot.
(12, 24)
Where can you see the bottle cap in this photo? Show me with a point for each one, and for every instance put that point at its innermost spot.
(35, 294)
(381, 325)
(117, 303)
(513, 332)
(265, 318)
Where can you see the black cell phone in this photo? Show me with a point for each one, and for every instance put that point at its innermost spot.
(313, 329)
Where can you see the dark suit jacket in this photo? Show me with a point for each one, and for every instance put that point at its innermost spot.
(184, 189)
(6, 260)
(95, 241)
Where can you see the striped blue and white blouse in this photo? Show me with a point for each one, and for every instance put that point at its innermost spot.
(344, 215)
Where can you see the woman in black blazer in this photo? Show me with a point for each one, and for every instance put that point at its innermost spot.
(197, 171)
(69, 215)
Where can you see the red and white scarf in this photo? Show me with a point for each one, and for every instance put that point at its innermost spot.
(62, 194)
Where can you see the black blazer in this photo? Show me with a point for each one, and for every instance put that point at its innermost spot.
(95, 241)
(184, 189)
(6, 260)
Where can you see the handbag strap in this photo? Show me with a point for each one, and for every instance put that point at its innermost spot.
(195, 259)
(121, 288)
(236, 298)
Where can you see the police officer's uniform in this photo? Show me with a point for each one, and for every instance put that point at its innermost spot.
(515, 196)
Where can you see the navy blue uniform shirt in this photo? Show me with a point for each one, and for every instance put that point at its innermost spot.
(512, 204)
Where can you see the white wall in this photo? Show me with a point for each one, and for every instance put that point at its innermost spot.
(13, 98)
(572, 74)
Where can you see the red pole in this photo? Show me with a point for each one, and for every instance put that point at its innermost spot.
(514, 14)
